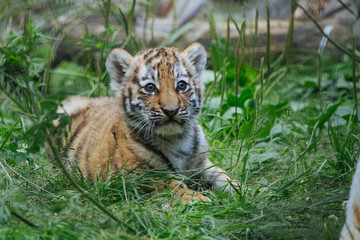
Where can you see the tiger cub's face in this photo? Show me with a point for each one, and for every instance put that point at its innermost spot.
(160, 89)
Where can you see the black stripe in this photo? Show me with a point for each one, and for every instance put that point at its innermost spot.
(196, 111)
(195, 140)
(158, 53)
(112, 155)
(78, 152)
(123, 97)
(184, 75)
(135, 80)
(73, 136)
(76, 132)
(193, 102)
(128, 115)
(132, 106)
(152, 148)
(87, 162)
(148, 53)
(130, 96)
(77, 114)
(188, 72)
(181, 154)
(199, 97)
(150, 60)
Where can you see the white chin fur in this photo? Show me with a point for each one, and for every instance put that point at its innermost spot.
(168, 129)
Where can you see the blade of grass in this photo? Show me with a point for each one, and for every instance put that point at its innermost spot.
(23, 219)
(289, 36)
(256, 115)
(254, 39)
(354, 78)
(289, 183)
(28, 181)
(238, 62)
(178, 33)
(227, 35)
(223, 83)
(319, 71)
(243, 172)
(268, 43)
(9, 134)
(261, 79)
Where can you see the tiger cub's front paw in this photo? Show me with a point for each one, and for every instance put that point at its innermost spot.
(193, 197)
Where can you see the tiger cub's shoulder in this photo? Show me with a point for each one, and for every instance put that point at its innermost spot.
(99, 139)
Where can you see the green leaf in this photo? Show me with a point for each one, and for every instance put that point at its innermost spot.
(245, 95)
(326, 115)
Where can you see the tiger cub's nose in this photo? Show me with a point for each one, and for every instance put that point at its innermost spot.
(170, 111)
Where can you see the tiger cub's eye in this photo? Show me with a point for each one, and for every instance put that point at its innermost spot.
(150, 87)
(182, 86)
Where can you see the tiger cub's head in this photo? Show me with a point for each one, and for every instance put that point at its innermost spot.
(160, 89)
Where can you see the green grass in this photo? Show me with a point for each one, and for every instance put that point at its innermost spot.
(291, 146)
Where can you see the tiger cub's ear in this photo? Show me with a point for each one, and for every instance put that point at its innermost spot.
(196, 54)
(117, 64)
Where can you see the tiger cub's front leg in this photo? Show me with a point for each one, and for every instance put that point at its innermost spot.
(217, 176)
(184, 194)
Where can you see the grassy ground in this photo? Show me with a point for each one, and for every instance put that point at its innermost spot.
(291, 145)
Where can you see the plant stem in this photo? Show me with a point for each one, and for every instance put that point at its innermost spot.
(261, 79)
(324, 34)
(107, 5)
(347, 8)
(147, 13)
(238, 61)
(257, 102)
(129, 26)
(254, 40)
(289, 36)
(212, 28)
(319, 73)
(227, 35)
(213, 61)
(26, 22)
(354, 72)
(152, 31)
(174, 15)
(268, 44)
(223, 83)
(23, 219)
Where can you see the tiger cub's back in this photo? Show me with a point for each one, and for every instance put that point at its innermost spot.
(98, 134)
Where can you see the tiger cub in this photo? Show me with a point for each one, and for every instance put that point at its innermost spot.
(351, 229)
(153, 118)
